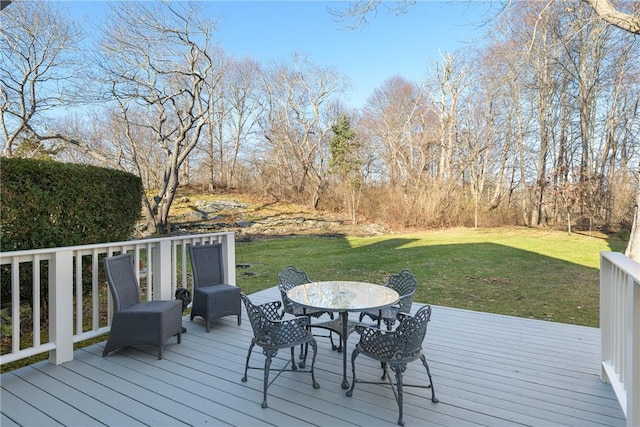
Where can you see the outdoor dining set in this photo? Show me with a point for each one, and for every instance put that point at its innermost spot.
(393, 336)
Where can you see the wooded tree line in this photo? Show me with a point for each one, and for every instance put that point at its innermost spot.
(538, 125)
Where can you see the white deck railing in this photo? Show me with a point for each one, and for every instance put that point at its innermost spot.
(620, 330)
(163, 264)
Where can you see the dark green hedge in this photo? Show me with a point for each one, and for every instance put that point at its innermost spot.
(46, 204)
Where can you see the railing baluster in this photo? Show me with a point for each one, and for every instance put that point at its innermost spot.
(15, 305)
(95, 288)
(36, 301)
(79, 292)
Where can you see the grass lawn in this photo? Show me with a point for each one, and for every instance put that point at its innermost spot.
(540, 274)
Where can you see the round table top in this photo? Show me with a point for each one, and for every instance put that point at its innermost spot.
(343, 296)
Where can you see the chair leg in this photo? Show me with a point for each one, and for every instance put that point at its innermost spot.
(314, 346)
(333, 346)
(160, 352)
(294, 366)
(267, 365)
(433, 392)
(304, 350)
(239, 319)
(246, 366)
(399, 393)
(106, 350)
(353, 371)
(301, 353)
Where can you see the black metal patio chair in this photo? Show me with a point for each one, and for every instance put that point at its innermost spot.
(137, 322)
(289, 278)
(212, 298)
(273, 333)
(405, 284)
(394, 350)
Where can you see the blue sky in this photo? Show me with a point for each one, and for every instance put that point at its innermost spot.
(389, 45)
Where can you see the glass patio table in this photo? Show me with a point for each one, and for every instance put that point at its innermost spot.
(342, 297)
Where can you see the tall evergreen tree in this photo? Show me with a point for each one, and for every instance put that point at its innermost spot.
(346, 163)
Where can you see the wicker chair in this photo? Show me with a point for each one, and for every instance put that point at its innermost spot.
(212, 298)
(272, 333)
(395, 350)
(405, 284)
(137, 322)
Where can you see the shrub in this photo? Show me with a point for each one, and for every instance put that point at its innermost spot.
(48, 204)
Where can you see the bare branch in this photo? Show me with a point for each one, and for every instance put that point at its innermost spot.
(357, 13)
(626, 21)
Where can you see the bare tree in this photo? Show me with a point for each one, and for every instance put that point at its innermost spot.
(451, 83)
(392, 114)
(234, 112)
(38, 47)
(154, 62)
(296, 125)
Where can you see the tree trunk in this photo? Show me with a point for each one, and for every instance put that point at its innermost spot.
(633, 248)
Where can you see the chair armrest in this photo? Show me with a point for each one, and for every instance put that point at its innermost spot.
(401, 316)
(299, 321)
(367, 332)
(405, 302)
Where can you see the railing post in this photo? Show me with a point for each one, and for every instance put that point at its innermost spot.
(229, 247)
(161, 272)
(606, 284)
(61, 307)
(632, 381)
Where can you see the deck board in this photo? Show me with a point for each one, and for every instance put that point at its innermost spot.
(489, 370)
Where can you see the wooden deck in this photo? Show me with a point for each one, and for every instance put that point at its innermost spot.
(488, 370)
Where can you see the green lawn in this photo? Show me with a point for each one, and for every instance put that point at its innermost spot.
(540, 274)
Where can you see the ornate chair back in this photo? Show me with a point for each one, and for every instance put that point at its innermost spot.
(405, 284)
(411, 333)
(259, 317)
(289, 278)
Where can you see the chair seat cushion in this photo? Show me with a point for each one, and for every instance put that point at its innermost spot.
(217, 289)
(155, 307)
(213, 302)
(145, 323)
